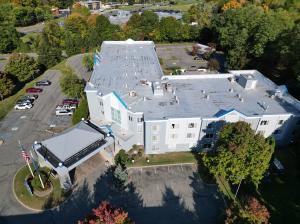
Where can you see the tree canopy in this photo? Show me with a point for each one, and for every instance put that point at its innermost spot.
(22, 67)
(6, 85)
(240, 154)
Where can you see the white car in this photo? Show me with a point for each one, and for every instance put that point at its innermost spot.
(23, 106)
(62, 112)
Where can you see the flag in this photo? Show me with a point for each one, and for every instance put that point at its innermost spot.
(25, 155)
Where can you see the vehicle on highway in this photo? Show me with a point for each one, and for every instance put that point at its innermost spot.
(34, 90)
(43, 83)
(67, 106)
(62, 112)
(70, 101)
(23, 106)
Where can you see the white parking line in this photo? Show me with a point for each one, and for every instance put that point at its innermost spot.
(14, 128)
(22, 117)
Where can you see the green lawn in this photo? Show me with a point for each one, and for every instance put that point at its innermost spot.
(282, 194)
(167, 158)
(34, 201)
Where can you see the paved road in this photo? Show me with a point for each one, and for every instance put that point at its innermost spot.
(75, 62)
(27, 126)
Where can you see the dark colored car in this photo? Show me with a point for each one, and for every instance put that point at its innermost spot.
(70, 101)
(43, 83)
(34, 90)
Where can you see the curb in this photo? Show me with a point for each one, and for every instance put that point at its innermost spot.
(149, 166)
(33, 209)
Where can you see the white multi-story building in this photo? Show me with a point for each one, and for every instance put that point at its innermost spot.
(129, 94)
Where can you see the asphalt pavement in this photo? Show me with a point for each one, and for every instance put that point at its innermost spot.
(27, 126)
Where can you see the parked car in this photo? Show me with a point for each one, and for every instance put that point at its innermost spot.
(67, 106)
(22, 101)
(29, 97)
(43, 83)
(62, 112)
(34, 90)
(23, 106)
(70, 101)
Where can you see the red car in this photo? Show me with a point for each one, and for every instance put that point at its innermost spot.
(34, 90)
(70, 101)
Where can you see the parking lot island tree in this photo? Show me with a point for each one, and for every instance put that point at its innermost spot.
(240, 155)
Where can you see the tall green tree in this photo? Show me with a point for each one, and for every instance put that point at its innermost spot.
(23, 67)
(71, 85)
(49, 45)
(9, 37)
(149, 21)
(244, 32)
(240, 155)
(6, 85)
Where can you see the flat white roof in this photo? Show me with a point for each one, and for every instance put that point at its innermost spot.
(125, 66)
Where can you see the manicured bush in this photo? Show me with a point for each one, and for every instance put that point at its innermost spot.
(122, 158)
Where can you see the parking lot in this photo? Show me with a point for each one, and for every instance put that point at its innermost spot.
(177, 55)
(27, 126)
(174, 194)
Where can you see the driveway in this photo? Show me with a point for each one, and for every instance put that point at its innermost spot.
(26, 126)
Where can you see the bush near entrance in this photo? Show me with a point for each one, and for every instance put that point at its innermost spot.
(57, 196)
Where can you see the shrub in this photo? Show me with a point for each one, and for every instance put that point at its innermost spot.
(122, 158)
(213, 64)
(36, 183)
(81, 112)
(88, 62)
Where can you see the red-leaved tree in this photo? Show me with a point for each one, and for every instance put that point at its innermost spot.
(107, 214)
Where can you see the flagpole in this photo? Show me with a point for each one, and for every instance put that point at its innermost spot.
(27, 160)
(37, 169)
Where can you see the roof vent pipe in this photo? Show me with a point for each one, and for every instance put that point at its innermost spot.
(203, 91)
(231, 90)
(207, 97)
(242, 100)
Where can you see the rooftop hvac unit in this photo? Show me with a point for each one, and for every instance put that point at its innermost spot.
(132, 93)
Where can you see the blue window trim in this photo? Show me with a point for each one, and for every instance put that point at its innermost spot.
(120, 99)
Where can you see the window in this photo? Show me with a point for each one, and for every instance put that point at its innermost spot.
(102, 111)
(115, 115)
(173, 136)
(190, 135)
(155, 128)
(209, 135)
(173, 126)
(277, 132)
(192, 125)
(155, 148)
(101, 103)
(207, 146)
(280, 121)
(264, 122)
(140, 119)
(261, 133)
(155, 138)
(130, 118)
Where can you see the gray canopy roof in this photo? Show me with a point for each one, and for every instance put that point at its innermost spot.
(73, 140)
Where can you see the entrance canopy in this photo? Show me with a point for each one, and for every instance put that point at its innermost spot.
(74, 145)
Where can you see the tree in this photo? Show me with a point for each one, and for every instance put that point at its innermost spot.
(6, 85)
(71, 85)
(213, 64)
(121, 158)
(9, 37)
(88, 62)
(255, 212)
(120, 177)
(149, 21)
(23, 67)
(49, 45)
(245, 32)
(81, 112)
(240, 154)
(107, 214)
(202, 14)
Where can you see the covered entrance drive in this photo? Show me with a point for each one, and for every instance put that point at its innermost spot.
(65, 152)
